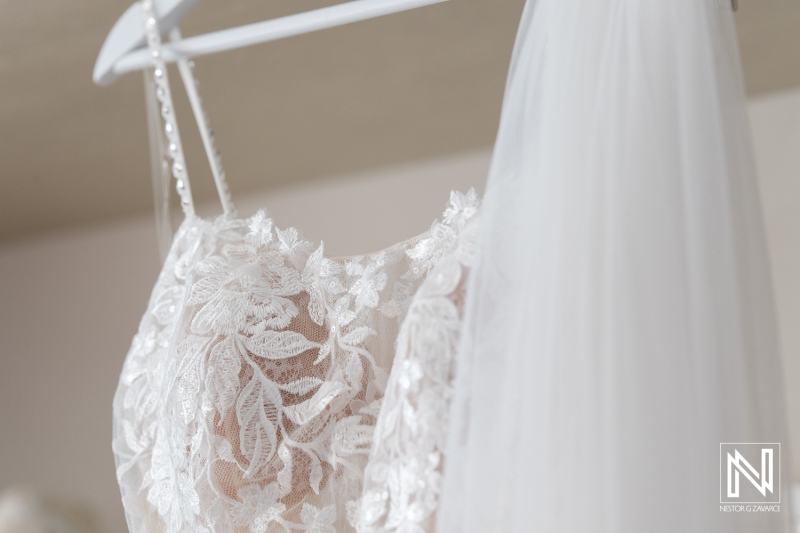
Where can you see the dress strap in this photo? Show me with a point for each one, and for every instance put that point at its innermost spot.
(172, 136)
(185, 68)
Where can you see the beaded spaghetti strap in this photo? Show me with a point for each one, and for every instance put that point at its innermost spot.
(170, 126)
(185, 68)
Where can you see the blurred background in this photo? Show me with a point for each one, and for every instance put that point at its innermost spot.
(355, 135)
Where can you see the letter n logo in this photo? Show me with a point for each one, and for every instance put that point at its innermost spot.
(747, 472)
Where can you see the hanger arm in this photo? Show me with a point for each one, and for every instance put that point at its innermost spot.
(260, 32)
(128, 34)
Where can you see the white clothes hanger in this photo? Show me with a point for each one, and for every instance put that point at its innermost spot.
(124, 49)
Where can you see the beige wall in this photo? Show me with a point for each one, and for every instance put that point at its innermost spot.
(70, 301)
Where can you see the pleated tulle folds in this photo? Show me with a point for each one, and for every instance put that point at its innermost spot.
(619, 320)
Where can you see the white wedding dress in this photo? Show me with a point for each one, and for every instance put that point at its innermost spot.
(270, 385)
(567, 360)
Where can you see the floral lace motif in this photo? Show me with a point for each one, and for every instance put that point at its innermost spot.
(249, 398)
(401, 482)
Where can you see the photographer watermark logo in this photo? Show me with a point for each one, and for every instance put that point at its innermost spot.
(750, 476)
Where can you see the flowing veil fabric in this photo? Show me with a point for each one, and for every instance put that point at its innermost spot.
(619, 321)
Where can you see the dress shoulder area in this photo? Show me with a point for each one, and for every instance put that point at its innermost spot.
(249, 398)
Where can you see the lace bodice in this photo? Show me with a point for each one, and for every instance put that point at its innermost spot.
(250, 396)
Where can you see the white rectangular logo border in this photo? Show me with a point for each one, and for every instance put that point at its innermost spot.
(720, 474)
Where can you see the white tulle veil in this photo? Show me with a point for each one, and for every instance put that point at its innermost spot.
(619, 321)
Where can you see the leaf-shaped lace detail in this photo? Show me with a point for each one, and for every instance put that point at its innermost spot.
(258, 412)
(315, 473)
(278, 344)
(301, 386)
(303, 412)
(223, 375)
(356, 336)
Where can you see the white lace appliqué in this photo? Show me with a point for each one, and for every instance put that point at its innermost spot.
(250, 395)
(401, 487)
